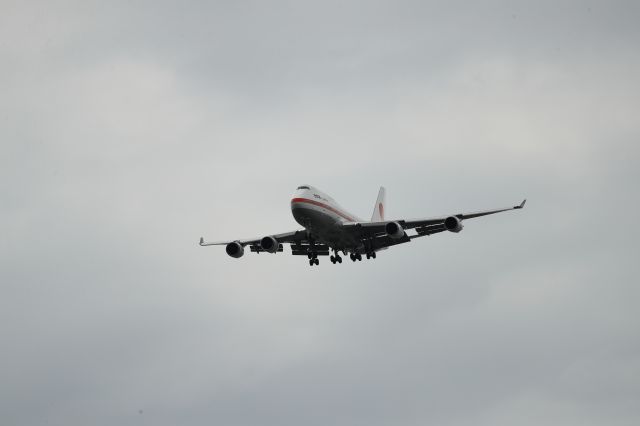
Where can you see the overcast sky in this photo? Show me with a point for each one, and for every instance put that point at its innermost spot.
(129, 129)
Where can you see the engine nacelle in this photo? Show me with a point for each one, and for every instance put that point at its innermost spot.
(269, 244)
(235, 249)
(453, 224)
(394, 230)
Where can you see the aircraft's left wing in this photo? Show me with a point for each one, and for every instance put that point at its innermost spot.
(378, 235)
(416, 223)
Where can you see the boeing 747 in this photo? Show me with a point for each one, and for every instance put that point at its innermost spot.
(329, 227)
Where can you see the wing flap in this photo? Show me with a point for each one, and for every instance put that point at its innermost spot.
(304, 249)
(383, 241)
(430, 229)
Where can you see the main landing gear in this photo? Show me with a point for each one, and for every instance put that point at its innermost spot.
(336, 259)
(313, 259)
(358, 257)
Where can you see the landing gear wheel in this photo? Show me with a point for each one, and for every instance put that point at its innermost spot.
(332, 259)
(311, 262)
(338, 259)
(359, 257)
(373, 255)
(316, 261)
(353, 257)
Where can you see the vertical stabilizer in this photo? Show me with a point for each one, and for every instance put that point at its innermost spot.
(378, 209)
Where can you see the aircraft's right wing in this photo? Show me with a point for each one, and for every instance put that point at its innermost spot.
(300, 244)
(299, 237)
(285, 237)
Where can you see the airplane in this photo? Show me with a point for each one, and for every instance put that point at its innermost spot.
(328, 226)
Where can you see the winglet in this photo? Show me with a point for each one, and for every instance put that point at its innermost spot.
(521, 204)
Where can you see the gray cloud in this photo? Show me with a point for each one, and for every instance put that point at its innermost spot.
(129, 130)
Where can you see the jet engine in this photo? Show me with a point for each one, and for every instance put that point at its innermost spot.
(269, 244)
(394, 230)
(235, 249)
(453, 224)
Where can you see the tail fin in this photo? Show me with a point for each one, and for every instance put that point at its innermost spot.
(378, 209)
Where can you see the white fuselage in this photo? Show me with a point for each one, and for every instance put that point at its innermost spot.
(323, 217)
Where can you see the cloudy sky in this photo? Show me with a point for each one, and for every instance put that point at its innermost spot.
(130, 129)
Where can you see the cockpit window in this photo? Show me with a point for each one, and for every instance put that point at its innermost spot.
(303, 187)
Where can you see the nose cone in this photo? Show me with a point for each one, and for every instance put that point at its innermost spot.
(303, 192)
(297, 209)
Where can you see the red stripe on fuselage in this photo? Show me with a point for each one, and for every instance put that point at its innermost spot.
(324, 206)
